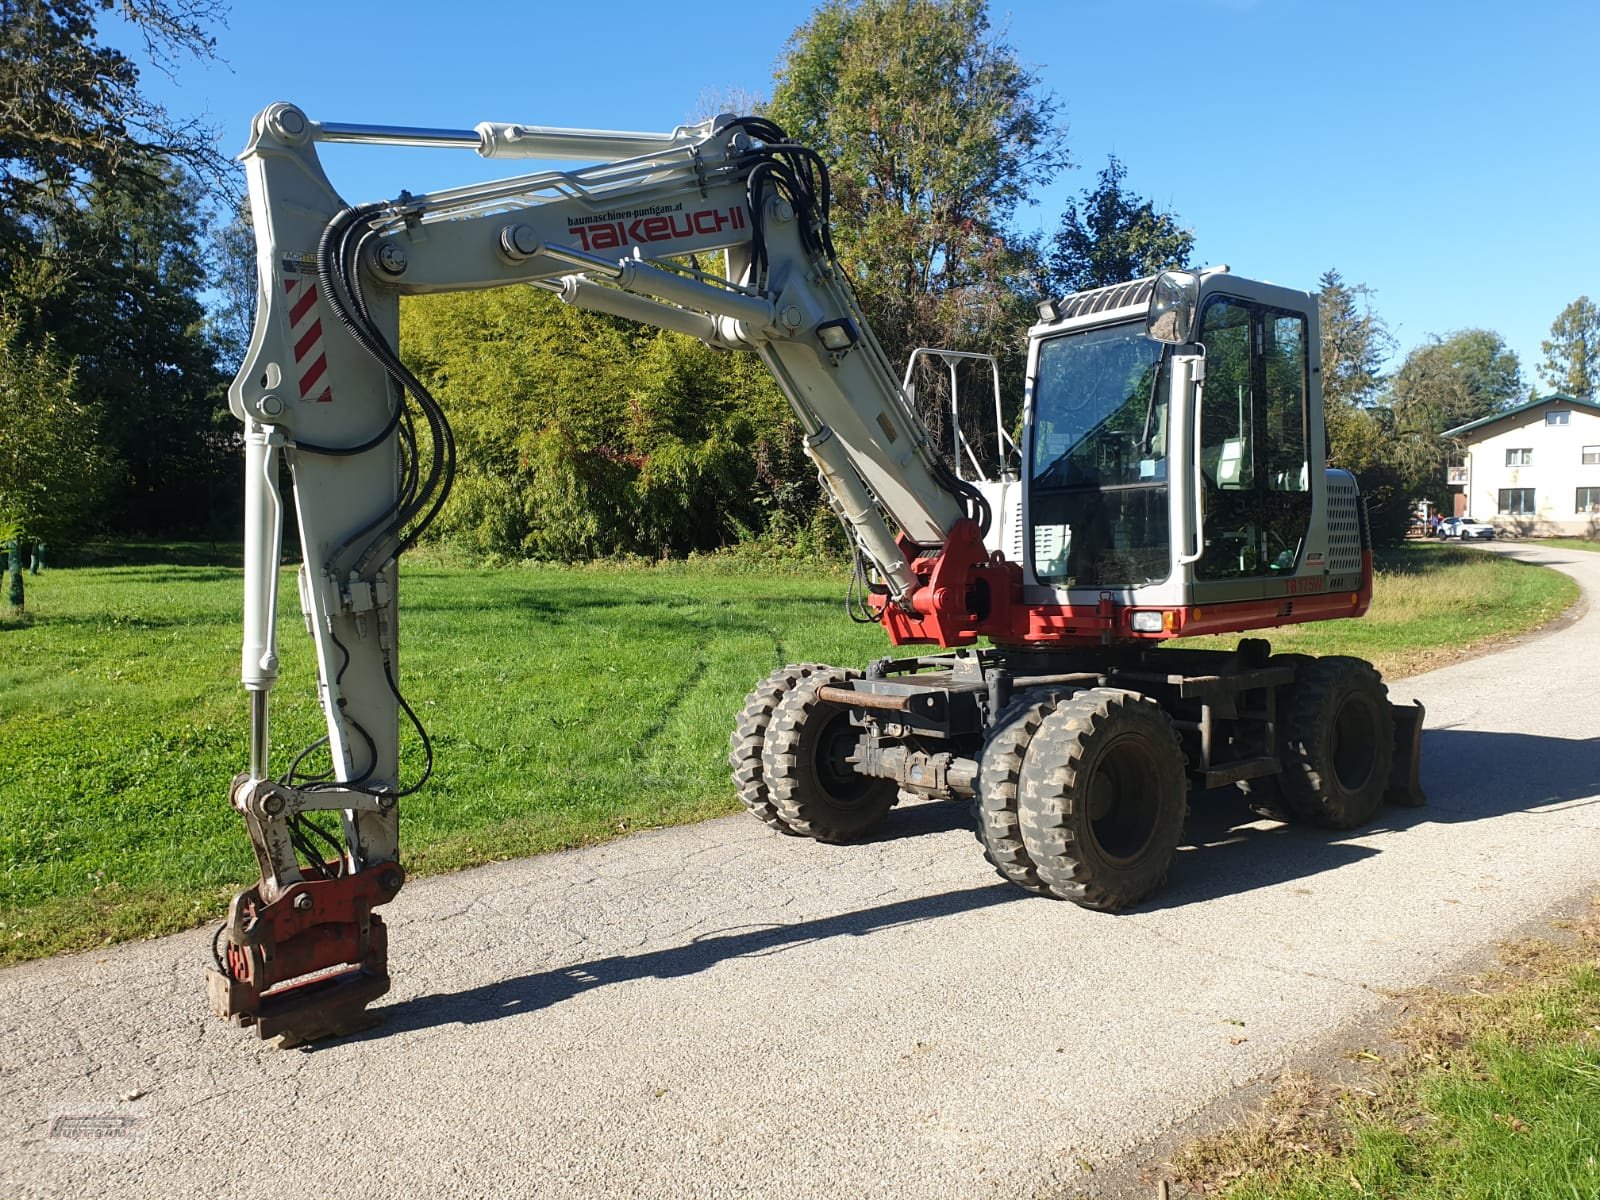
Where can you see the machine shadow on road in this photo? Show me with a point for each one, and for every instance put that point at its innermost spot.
(1468, 775)
(529, 993)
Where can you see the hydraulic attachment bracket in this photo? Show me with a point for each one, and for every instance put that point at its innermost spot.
(301, 958)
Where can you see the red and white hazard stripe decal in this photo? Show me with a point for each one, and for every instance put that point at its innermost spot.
(305, 327)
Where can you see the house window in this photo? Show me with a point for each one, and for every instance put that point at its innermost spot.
(1556, 418)
(1588, 500)
(1591, 456)
(1519, 457)
(1516, 502)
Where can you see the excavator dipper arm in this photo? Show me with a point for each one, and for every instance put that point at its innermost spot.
(325, 399)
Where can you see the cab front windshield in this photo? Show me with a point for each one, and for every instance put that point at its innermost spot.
(1098, 494)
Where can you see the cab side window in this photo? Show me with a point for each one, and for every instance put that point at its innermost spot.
(1254, 464)
(1284, 359)
(1226, 422)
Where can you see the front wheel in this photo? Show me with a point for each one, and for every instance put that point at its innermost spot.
(813, 786)
(1103, 797)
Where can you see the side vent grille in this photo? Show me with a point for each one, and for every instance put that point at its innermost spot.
(1345, 531)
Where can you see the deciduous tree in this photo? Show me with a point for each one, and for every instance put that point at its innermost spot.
(1355, 343)
(936, 133)
(1445, 383)
(70, 107)
(52, 468)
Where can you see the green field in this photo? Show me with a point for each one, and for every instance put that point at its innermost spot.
(567, 705)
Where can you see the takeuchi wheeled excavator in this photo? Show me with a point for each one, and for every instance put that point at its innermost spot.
(1169, 479)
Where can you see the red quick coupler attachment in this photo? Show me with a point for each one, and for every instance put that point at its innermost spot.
(307, 964)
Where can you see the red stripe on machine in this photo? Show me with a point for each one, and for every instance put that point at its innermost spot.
(309, 379)
(308, 341)
(302, 306)
(306, 327)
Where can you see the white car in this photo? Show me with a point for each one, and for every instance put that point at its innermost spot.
(1465, 528)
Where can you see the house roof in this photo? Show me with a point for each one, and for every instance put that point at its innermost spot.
(1538, 402)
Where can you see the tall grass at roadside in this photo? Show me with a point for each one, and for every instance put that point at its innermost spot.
(1490, 1091)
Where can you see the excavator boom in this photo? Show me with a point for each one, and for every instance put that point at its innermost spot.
(325, 398)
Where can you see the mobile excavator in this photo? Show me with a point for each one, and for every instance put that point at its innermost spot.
(1168, 478)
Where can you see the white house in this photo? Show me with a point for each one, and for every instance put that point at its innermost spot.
(1534, 470)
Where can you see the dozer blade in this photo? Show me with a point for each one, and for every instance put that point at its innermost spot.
(1405, 783)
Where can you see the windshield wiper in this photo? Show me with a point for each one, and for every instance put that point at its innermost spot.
(1150, 405)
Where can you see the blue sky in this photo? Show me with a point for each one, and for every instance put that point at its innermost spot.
(1444, 153)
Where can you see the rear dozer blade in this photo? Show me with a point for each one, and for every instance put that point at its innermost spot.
(1405, 783)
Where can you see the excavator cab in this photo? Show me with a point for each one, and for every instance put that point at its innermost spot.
(1176, 464)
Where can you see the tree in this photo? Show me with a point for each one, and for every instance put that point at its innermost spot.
(98, 221)
(128, 311)
(1117, 236)
(1445, 383)
(1572, 355)
(231, 268)
(935, 133)
(1355, 343)
(52, 468)
(70, 108)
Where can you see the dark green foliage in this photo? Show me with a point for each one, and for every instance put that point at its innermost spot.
(1115, 237)
(119, 293)
(99, 272)
(1572, 355)
(1389, 503)
(583, 436)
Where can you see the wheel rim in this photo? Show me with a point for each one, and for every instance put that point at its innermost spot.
(1354, 742)
(835, 745)
(1124, 799)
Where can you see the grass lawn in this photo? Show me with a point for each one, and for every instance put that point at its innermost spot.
(567, 705)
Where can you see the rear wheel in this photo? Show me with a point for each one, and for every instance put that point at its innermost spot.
(750, 735)
(805, 760)
(1103, 798)
(1336, 743)
(995, 803)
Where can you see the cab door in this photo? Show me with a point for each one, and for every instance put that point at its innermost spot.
(1254, 463)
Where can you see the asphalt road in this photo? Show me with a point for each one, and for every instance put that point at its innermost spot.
(721, 1011)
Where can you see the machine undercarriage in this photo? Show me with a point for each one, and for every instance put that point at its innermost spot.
(1078, 764)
